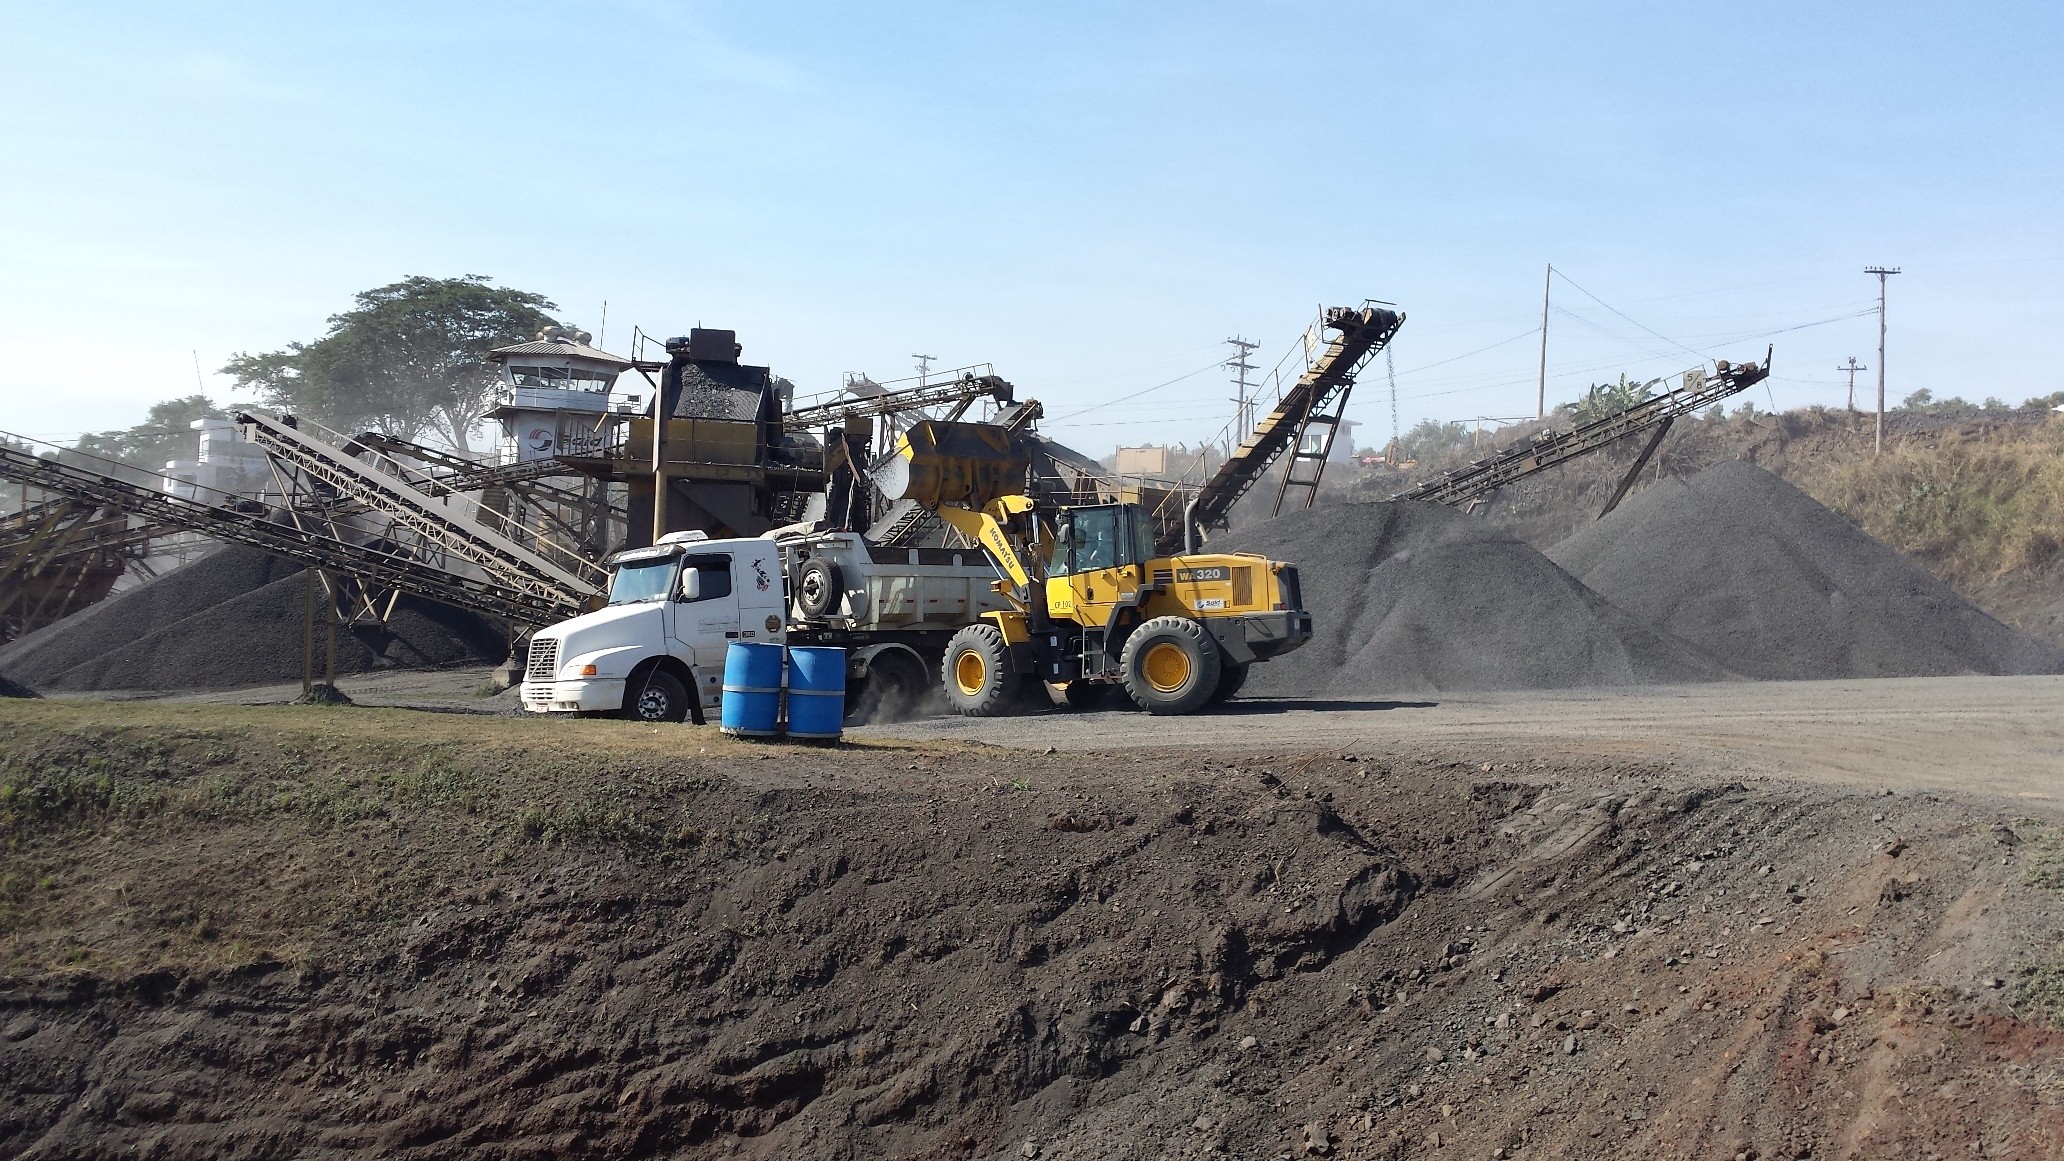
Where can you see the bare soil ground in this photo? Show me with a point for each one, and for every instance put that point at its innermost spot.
(251, 932)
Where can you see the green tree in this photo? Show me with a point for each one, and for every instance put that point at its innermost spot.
(1603, 399)
(409, 359)
(166, 433)
(1429, 440)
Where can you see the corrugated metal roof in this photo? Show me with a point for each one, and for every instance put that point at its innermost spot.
(558, 347)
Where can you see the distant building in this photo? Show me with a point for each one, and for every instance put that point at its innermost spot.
(1141, 461)
(554, 395)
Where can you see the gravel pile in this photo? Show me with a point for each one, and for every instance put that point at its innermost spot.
(15, 689)
(232, 619)
(1416, 597)
(1773, 585)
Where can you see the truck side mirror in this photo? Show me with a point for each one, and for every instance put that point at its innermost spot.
(691, 584)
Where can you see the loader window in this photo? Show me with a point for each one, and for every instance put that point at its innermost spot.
(1142, 535)
(1094, 534)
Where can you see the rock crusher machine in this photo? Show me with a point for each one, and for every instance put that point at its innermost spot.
(1094, 608)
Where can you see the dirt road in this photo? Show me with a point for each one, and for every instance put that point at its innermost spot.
(1991, 735)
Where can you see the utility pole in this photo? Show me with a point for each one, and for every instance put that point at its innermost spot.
(1878, 445)
(924, 367)
(1852, 368)
(1243, 404)
(1541, 385)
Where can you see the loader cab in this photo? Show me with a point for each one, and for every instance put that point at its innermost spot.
(1100, 553)
(1100, 537)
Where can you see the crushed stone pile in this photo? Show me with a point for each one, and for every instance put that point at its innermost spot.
(233, 618)
(15, 689)
(1770, 583)
(1414, 597)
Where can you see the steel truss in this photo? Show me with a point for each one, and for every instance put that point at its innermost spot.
(1476, 482)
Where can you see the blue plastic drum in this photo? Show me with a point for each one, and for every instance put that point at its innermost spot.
(816, 692)
(752, 690)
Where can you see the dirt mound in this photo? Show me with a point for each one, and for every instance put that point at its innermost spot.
(1416, 597)
(333, 936)
(1771, 584)
(234, 618)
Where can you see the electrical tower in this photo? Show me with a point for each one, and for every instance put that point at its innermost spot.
(1243, 403)
(1852, 368)
(1878, 446)
(1390, 455)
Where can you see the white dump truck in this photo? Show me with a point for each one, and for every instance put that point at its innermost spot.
(655, 652)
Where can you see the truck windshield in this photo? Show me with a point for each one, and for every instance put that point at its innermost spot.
(642, 580)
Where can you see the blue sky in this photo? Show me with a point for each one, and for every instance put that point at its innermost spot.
(1090, 196)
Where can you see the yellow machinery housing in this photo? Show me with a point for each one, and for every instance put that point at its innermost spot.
(1095, 609)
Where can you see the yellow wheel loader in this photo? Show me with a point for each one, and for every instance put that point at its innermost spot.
(1093, 609)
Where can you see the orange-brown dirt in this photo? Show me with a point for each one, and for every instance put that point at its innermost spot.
(232, 932)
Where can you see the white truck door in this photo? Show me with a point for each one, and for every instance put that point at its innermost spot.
(699, 629)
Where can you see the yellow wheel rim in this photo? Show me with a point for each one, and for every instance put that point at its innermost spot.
(970, 673)
(1166, 666)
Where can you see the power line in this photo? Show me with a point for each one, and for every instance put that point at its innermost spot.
(1623, 314)
(1212, 365)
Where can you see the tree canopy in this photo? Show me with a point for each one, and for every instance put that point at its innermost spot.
(409, 359)
(166, 433)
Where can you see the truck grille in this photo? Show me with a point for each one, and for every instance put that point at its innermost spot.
(544, 660)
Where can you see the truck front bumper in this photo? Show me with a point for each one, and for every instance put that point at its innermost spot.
(593, 695)
(1251, 637)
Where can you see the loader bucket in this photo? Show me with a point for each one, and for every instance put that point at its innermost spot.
(969, 464)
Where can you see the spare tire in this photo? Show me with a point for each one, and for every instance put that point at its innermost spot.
(820, 587)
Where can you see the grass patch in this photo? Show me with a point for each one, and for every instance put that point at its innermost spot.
(1974, 508)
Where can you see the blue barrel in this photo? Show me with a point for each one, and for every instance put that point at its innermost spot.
(752, 689)
(816, 692)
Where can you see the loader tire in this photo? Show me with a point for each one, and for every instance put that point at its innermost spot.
(976, 676)
(1230, 679)
(1171, 666)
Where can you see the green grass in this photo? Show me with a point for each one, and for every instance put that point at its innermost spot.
(1972, 508)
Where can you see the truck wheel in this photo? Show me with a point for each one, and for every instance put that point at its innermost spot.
(894, 687)
(977, 677)
(662, 699)
(1171, 666)
(819, 585)
(1230, 679)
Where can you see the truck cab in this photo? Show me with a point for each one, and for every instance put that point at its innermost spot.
(655, 651)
